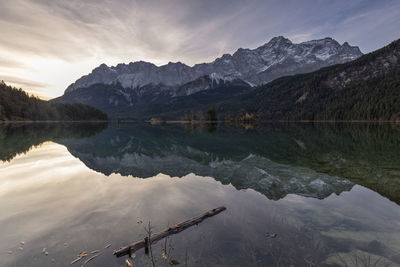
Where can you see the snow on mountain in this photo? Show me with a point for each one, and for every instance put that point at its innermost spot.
(274, 59)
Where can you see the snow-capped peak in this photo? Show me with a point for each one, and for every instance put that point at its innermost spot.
(276, 58)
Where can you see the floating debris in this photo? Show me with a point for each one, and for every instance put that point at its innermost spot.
(139, 222)
(65, 244)
(22, 243)
(76, 260)
(45, 252)
(143, 243)
(20, 248)
(79, 257)
(82, 254)
(271, 235)
(107, 246)
(165, 255)
(9, 252)
(128, 263)
(53, 260)
(174, 262)
(91, 258)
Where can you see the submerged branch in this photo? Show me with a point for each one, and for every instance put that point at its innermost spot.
(170, 231)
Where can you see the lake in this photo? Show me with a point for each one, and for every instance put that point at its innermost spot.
(296, 194)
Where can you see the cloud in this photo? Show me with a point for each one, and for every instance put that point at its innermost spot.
(371, 28)
(35, 88)
(54, 42)
(17, 80)
(10, 63)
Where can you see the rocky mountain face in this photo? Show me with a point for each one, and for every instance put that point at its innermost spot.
(142, 102)
(367, 88)
(278, 57)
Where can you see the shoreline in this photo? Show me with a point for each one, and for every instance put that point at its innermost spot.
(16, 122)
(200, 122)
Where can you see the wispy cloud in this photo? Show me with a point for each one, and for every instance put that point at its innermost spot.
(35, 88)
(23, 82)
(10, 63)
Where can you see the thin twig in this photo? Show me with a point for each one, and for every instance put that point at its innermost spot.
(151, 251)
(91, 258)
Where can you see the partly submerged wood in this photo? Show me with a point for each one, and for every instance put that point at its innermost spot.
(170, 231)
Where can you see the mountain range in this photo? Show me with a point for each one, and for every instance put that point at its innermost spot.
(274, 59)
(367, 88)
(127, 89)
(280, 80)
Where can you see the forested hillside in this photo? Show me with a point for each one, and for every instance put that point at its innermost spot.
(16, 104)
(365, 89)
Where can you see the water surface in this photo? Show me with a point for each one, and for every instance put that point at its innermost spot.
(301, 195)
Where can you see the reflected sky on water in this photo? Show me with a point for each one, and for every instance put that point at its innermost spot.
(71, 194)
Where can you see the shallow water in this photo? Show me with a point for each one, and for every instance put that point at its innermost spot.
(326, 195)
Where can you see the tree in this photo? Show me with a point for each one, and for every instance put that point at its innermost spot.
(2, 113)
(210, 115)
(16, 104)
(189, 115)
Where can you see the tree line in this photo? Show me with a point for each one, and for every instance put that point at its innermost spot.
(16, 104)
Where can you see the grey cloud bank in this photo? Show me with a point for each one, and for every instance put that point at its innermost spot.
(62, 40)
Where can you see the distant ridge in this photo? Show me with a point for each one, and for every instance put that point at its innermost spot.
(274, 59)
(367, 88)
(141, 89)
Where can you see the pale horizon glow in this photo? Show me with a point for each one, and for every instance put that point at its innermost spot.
(45, 45)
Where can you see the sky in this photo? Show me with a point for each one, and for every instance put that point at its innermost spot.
(45, 45)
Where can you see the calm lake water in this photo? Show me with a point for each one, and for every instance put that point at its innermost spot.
(296, 195)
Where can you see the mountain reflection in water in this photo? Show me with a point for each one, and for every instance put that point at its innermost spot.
(312, 160)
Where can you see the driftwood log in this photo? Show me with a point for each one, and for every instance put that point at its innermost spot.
(128, 250)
